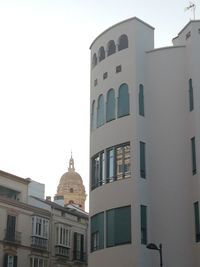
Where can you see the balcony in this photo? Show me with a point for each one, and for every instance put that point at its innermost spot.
(80, 256)
(39, 243)
(62, 251)
(12, 236)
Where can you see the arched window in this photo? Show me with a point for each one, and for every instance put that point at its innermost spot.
(123, 101)
(101, 53)
(110, 105)
(141, 100)
(94, 60)
(93, 116)
(100, 111)
(191, 98)
(111, 48)
(123, 42)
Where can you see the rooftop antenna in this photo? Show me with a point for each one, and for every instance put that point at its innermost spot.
(191, 6)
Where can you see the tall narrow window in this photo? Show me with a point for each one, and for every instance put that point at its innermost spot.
(101, 53)
(142, 160)
(193, 148)
(110, 105)
(78, 246)
(118, 226)
(98, 170)
(143, 221)
(110, 165)
(123, 101)
(196, 218)
(123, 161)
(123, 42)
(93, 116)
(100, 111)
(111, 48)
(10, 231)
(10, 261)
(97, 231)
(141, 100)
(191, 98)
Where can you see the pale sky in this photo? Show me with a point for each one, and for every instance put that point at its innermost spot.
(45, 77)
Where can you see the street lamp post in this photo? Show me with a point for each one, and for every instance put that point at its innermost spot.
(155, 247)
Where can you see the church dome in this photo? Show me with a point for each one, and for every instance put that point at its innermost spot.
(71, 187)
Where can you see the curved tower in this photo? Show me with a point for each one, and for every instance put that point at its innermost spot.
(144, 146)
(71, 187)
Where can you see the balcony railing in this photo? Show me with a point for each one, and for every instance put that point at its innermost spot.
(39, 243)
(12, 236)
(62, 251)
(80, 256)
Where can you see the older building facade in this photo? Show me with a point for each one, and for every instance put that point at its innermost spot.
(35, 232)
(144, 147)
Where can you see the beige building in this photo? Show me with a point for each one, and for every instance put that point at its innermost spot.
(71, 187)
(35, 232)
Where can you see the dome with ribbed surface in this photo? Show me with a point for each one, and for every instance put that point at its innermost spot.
(71, 187)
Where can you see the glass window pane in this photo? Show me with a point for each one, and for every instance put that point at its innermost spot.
(110, 228)
(110, 165)
(123, 101)
(97, 231)
(110, 110)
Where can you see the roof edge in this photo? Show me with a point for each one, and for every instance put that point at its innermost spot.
(191, 21)
(14, 177)
(118, 23)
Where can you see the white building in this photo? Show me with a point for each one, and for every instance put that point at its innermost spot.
(144, 147)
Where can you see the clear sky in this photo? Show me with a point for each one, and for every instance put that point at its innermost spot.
(45, 77)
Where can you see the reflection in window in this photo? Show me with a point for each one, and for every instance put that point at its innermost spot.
(101, 53)
(123, 162)
(111, 48)
(98, 170)
(110, 108)
(123, 101)
(100, 111)
(110, 165)
(123, 42)
(143, 222)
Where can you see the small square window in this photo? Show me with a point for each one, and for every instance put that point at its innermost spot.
(118, 68)
(105, 75)
(95, 82)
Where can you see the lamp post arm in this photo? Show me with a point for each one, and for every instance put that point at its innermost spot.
(160, 252)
